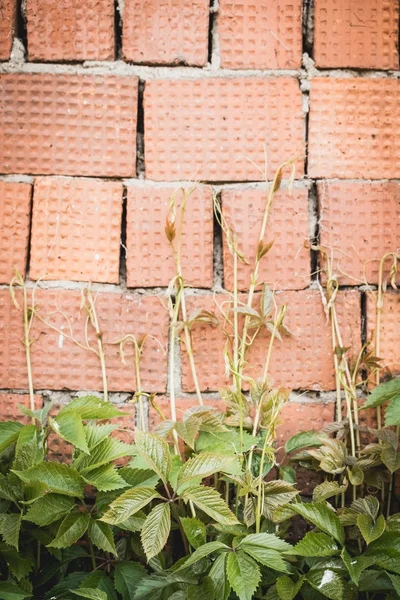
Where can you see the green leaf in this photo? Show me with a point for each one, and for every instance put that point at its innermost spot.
(9, 432)
(202, 552)
(267, 540)
(134, 523)
(97, 433)
(385, 392)
(156, 453)
(225, 442)
(286, 588)
(392, 414)
(91, 407)
(150, 587)
(316, 544)
(395, 579)
(128, 504)
(243, 574)
(10, 591)
(105, 452)
(369, 530)
(266, 556)
(8, 491)
(19, 565)
(10, 525)
(277, 493)
(68, 425)
(201, 591)
(390, 458)
(156, 530)
(322, 517)
(305, 439)
(195, 531)
(90, 593)
(127, 576)
(327, 582)
(27, 451)
(188, 430)
(58, 478)
(139, 477)
(386, 558)
(209, 501)
(105, 478)
(101, 536)
(49, 508)
(328, 489)
(218, 576)
(71, 530)
(355, 565)
(203, 465)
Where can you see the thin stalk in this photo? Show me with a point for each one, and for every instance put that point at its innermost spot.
(139, 387)
(28, 317)
(99, 335)
(172, 399)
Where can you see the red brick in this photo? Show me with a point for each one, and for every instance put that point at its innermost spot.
(15, 214)
(8, 23)
(260, 35)
(70, 30)
(166, 31)
(303, 361)
(303, 416)
(390, 341)
(211, 129)
(182, 404)
(287, 264)
(352, 132)
(361, 223)
(9, 410)
(76, 229)
(58, 363)
(150, 260)
(68, 124)
(357, 33)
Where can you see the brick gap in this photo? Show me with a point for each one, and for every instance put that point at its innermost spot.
(21, 29)
(218, 261)
(314, 231)
(28, 255)
(211, 23)
(118, 29)
(123, 247)
(140, 162)
(308, 27)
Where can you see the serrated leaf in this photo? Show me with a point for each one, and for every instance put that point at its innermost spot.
(90, 593)
(305, 439)
(243, 574)
(390, 458)
(327, 582)
(97, 433)
(127, 576)
(355, 565)
(218, 576)
(58, 478)
(68, 425)
(386, 558)
(328, 489)
(105, 452)
(188, 430)
(10, 525)
(202, 552)
(316, 544)
(155, 451)
(134, 523)
(288, 589)
(101, 536)
(195, 531)
(71, 530)
(254, 547)
(49, 508)
(267, 541)
(155, 531)
(139, 477)
(19, 565)
(395, 579)
(129, 503)
(277, 493)
(203, 465)
(322, 517)
(105, 479)
(8, 491)
(149, 587)
(225, 442)
(91, 407)
(9, 432)
(201, 591)
(210, 501)
(10, 591)
(369, 530)
(385, 392)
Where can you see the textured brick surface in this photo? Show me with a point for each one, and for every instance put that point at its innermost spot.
(303, 361)
(8, 13)
(166, 31)
(76, 229)
(287, 264)
(352, 132)
(390, 341)
(260, 35)
(361, 223)
(303, 416)
(150, 260)
(59, 364)
(357, 33)
(68, 124)
(211, 129)
(70, 30)
(15, 209)
(9, 410)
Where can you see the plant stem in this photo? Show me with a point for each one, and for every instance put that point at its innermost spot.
(99, 335)
(27, 343)
(139, 387)
(172, 338)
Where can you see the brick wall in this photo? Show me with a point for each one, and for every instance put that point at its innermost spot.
(107, 108)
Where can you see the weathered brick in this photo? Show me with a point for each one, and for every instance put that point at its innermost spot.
(8, 22)
(68, 124)
(357, 33)
(9, 410)
(287, 264)
(352, 132)
(215, 129)
(58, 363)
(15, 210)
(70, 30)
(150, 260)
(389, 335)
(361, 223)
(260, 35)
(76, 229)
(166, 31)
(302, 361)
(303, 416)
